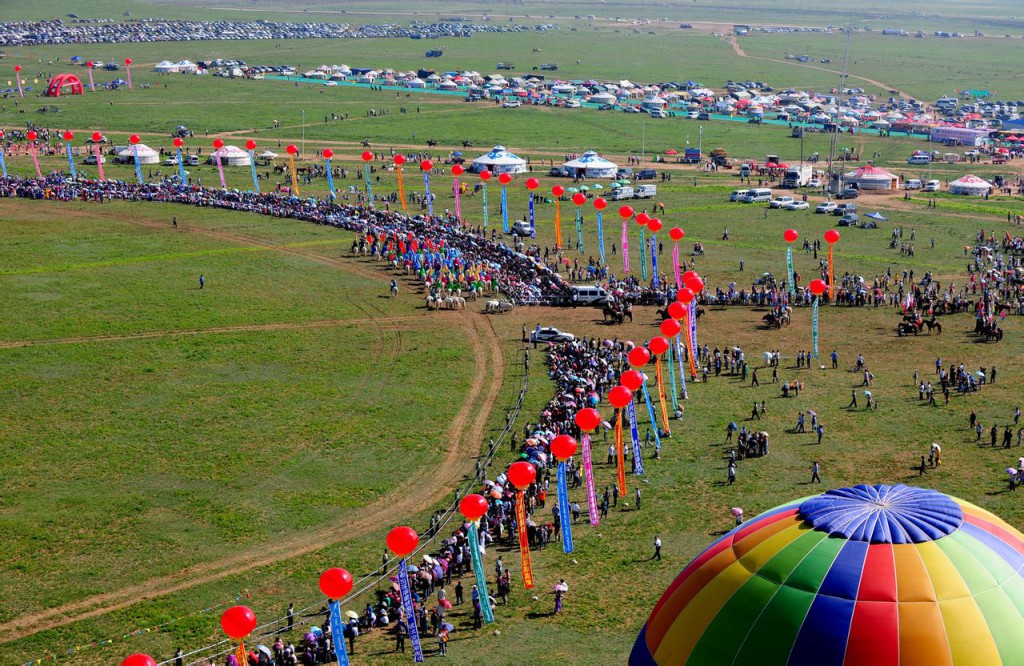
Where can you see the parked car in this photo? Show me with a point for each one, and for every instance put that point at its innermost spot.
(932, 186)
(550, 334)
(797, 205)
(191, 160)
(91, 159)
(780, 202)
(843, 209)
(512, 104)
(624, 173)
(171, 161)
(647, 174)
(814, 182)
(825, 207)
(849, 220)
(912, 184)
(848, 193)
(103, 139)
(559, 172)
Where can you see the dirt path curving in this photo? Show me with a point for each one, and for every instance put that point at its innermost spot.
(459, 445)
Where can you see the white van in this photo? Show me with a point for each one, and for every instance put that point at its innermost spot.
(645, 191)
(620, 193)
(757, 195)
(912, 184)
(919, 159)
(932, 186)
(582, 295)
(658, 113)
(737, 195)
(521, 228)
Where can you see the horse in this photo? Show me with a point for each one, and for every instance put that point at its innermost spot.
(491, 307)
(931, 323)
(431, 142)
(906, 328)
(771, 321)
(394, 289)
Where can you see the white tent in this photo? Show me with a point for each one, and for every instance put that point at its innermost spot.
(166, 67)
(971, 185)
(232, 156)
(417, 83)
(268, 154)
(603, 98)
(146, 154)
(500, 160)
(592, 165)
(872, 178)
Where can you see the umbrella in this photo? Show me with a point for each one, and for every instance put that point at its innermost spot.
(598, 186)
(584, 188)
(352, 615)
(736, 511)
(265, 650)
(449, 626)
(867, 393)
(1011, 471)
(412, 568)
(877, 216)
(572, 190)
(456, 153)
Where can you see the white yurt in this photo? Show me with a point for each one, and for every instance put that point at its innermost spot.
(603, 98)
(592, 165)
(146, 154)
(870, 177)
(232, 156)
(417, 83)
(970, 185)
(653, 103)
(447, 85)
(166, 67)
(500, 160)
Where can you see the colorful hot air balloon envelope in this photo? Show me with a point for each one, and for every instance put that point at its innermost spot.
(473, 507)
(818, 287)
(639, 357)
(790, 235)
(676, 234)
(238, 622)
(831, 236)
(620, 396)
(864, 575)
(335, 583)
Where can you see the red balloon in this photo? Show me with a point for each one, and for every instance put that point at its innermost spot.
(399, 159)
(654, 225)
(426, 165)
(658, 345)
(32, 135)
(178, 141)
(831, 236)
(505, 178)
(626, 212)
(328, 153)
(676, 309)
(532, 183)
(639, 357)
(134, 138)
(367, 156)
(696, 285)
(335, 583)
(402, 541)
(818, 287)
(685, 295)
(127, 61)
(632, 379)
(238, 622)
(2, 134)
(218, 144)
(89, 64)
(17, 68)
(642, 219)
(68, 135)
(457, 170)
(620, 396)
(485, 175)
(676, 234)
(473, 507)
(563, 447)
(579, 198)
(600, 203)
(588, 419)
(790, 235)
(291, 149)
(522, 474)
(139, 660)
(670, 328)
(250, 145)
(689, 275)
(558, 190)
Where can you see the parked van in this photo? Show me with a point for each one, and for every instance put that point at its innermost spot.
(919, 159)
(912, 184)
(582, 295)
(658, 113)
(932, 186)
(645, 191)
(521, 228)
(620, 193)
(757, 195)
(737, 195)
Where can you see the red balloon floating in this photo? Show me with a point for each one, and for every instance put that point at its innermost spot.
(138, 660)
(696, 285)
(17, 68)
(238, 622)
(558, 190)
(328, 153)
(818, 287)
(639, 357)
(620, 396)
(473, 507)
(402, 541)
(127, 61)
(426, 165)
(89, 64)
(68, 135)
(457, 170)
(505, 178)
(367, 156)
(218, 144)
(642, 219)
(689, 275)
(685, 295)
(676, 309)
(563, 447)
(632, 379)
(676, 234)
(335, 583)
(658, 345)
(133, 139)
(532, 183)
(790, 235)
(654, 225)
(670, 328)
(831, 236)
(485, 175)
(399, 159)
(588, 419)
(579, 198)
(251, 145)
(626, 212)
(178, 141)
(522, 474)
(600, 203)
(32, 135)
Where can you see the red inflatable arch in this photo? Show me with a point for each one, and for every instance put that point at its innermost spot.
(57, 84)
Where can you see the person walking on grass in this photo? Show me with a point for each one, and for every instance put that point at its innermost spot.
(202, 281)
(657, 548)
(922, 469)
(814, 473)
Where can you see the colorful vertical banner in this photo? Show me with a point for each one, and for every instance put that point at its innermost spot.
(524, 540)
(401, 185)
(92, 86)
(330, 178)
(650, 413)
(682, 369)
(814, 327)
(426, 189)
(369, 184)
(654, 260)
(128, 75)
(533, 221)
(675, 266)
(504, 209)
(220, 168)
(643, 255)
(138, 167)
(240, 654)
(558, 223)
(3, 164)
(831, 277)
(579, 229)
(634, 436)
(410, 611)
(660, 379)
(295, 180)
(478, 572)
(588, 479)
(672, 377)
(625, 246)
(338, 632)
(34, 150)
(564, 513)
(484, 190)
(252, 168)
(693, 324)
(181, 168)
(620, 455)
(789, 269)
(71, 162)
(99, 161)
(689, 344)
(600, 238)
(458, 197)
(17, 75)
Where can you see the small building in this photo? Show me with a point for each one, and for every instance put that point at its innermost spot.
(971, 186)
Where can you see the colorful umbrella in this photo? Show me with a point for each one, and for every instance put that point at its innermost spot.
(864, 575)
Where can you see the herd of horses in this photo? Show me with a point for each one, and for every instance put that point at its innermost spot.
(617, 312)
(914, 324)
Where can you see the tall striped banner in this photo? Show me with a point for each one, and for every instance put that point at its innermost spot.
(71, 162)
(620, 455)
(682, 369)
(410, 611)
(138, 167)
(643, 255)
(337, 631)
(558, 223)
(588, 479)
(533, 221)
(252, 168)
(330, 179)
(625, 247)
(693, 323)
(600, 237)
(634, 433)
(181, 167)
(426, 189)
(295, 179)
(458, 200)
(654, 260)
(478, 573)
(579, 229)
(651, 415)
(675, 266)
(369, 185)
(401, 191)
(484, 189)
(789, 267)
(660, 379)
(504, 209)
(672, 377)
(831, 276)
(3, 164)
(563, 509)
(524, 540)
(814, 328)
(220, 169)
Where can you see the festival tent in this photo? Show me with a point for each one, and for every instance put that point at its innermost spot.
(417, 83)
(500, 160)
(58, 83)
(603, 98)
(268, 154)
(870, 177)
(864, 575)
(592, 165)
(146, 154)
(232, 156)
(970, 185)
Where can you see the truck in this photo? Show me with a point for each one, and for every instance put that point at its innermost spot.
(691, 156)
(645, 191)
(798, 176)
